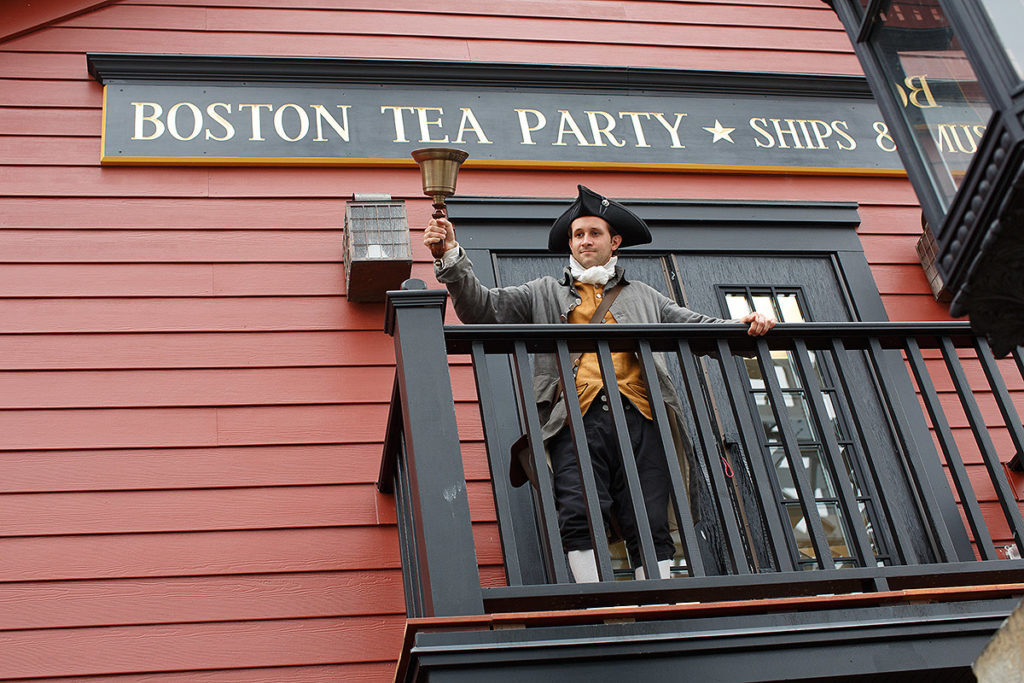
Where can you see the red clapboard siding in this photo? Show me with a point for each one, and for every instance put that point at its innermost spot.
(156, 214)
(194, 350)
(171, 279)
(130, 649)
(157, 314)
(43, 558)
(111, 246)
(115, 602)
(152, 388)
(709, 13)
(47, 151)
(116, 512)
(51, 94)
(57, 123)
(373, 672)
(225, 466)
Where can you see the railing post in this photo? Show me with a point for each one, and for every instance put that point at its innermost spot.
(445, 551)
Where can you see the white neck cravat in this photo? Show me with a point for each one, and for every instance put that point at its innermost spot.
(595, 275)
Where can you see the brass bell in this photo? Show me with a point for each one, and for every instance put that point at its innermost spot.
(439, 167)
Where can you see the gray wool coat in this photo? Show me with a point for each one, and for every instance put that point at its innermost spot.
(548, 300)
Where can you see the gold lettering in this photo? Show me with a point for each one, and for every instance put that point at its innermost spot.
(821, 131)
(791, 130)
(568, 124)
(229, 130)
(323, 115)
(980, 131)
(883, 139)
(606, 131)
(672, 130)
(279, 122)
(421, 113)
(257, 131)
(154, 118)
(172, 120)
(526, 129)
(474, 125)
(950, 142)
(843, 132)
(399, 121)
(913, 95)
(769, 140)
(634, 116)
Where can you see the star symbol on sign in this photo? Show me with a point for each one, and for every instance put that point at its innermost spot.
(720, 132)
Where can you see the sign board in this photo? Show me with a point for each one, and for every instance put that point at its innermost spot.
(283, 124)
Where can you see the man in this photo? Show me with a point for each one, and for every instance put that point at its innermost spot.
(591, 230)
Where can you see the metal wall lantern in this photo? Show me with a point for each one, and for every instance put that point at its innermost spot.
(378, 256)
(948, 77)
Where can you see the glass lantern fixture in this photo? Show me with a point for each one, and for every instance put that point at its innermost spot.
(378, 256)
(948, 76)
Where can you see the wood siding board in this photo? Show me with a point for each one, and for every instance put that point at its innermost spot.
(172, 246)
(136, 213)
(115, 602)
(43, 65)
(200, 553)
(53, 123)
(76, 280)
(162, 314)
(49, 94)
(104, 470)
(46, 151)
(198, 427)
(271, 507)
(188, 388)
(245, 349)
(372, 672)
(139, 15)
(132, 649)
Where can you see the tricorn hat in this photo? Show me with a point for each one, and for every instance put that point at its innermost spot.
(627, 224)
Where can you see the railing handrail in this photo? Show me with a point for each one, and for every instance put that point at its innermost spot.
(498, 338)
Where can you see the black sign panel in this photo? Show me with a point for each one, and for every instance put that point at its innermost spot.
(170, 123)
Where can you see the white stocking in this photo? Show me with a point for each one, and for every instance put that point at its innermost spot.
(583, 564)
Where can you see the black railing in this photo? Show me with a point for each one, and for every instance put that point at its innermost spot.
(814, 449)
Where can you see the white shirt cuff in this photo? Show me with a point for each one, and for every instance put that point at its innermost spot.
(449, 258)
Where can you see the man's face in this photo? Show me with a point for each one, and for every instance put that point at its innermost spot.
(591, 241)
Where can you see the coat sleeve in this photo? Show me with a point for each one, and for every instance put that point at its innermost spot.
(475, 303)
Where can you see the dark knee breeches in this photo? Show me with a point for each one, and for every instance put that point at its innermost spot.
(612, 490)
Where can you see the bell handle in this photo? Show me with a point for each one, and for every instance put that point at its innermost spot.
(437, 249)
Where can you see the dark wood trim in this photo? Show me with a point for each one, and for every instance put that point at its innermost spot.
(120, 67)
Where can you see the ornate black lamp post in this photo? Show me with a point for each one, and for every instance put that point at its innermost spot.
(948, 76)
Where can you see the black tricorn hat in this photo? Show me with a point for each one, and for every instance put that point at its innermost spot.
(627, 224)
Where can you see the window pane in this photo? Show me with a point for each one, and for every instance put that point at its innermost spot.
(835, 529)
(785, 370)
(738, 306)
(763, 304)
(818, 476)
(795, 410)
(790, 309)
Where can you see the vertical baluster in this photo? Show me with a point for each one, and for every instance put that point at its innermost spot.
(598, 537)
(844, 485)
(549, 517)
(805, 494)
(954, 460)
(680, 491)
(989, 456)
(736, 387)
(904, 549)
(709, 445)
(648, 556)
(502, 503)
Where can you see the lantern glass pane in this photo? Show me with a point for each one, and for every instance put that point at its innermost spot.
(377, 230)
(943, 105)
